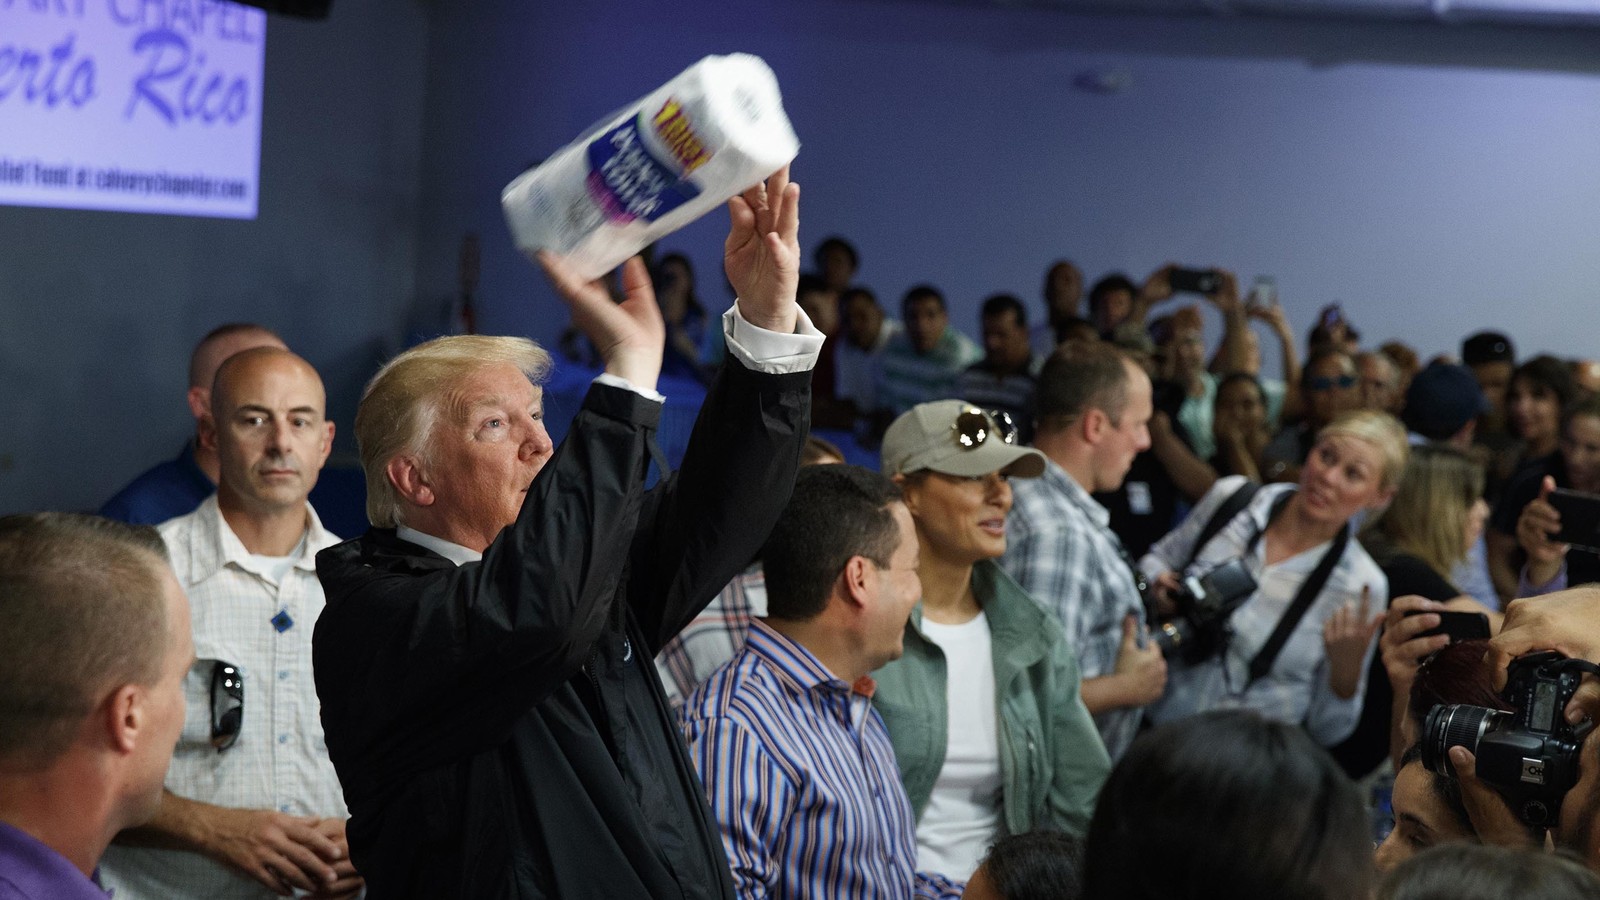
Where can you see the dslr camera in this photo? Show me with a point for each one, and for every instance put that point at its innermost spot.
(1530, 756)
(1204, 604)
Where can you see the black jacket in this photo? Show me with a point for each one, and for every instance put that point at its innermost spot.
(498, 728)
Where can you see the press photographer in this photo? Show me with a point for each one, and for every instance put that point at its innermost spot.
(1543, 760)
(1294, 647)
(1529, 755)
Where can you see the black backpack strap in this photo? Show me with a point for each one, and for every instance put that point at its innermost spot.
(1224, 514)
(1309, 589)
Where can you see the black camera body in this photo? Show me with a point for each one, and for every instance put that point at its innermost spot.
(1531, 755)
(1204, 604)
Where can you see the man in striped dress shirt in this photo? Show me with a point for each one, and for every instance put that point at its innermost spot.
(797, 764)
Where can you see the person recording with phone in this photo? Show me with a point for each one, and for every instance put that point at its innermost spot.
(1283, 400)
(1436, 515)
(1541, 406)
(1550, 566)
(1294, 647)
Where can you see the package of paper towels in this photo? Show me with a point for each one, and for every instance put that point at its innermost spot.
(706, 135)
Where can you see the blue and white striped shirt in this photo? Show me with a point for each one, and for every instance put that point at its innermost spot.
(802, 780)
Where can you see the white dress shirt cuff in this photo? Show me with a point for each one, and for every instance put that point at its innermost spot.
(768, 351)
(617, 381)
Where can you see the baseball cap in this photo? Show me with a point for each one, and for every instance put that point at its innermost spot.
(956, 438)
(1442, 399)
(1487, 347)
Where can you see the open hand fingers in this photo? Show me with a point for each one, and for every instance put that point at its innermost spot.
(565, 279)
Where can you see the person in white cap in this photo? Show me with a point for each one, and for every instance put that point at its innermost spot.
(983, 708)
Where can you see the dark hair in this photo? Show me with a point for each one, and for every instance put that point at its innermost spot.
(1004, 303)
(1551, 374)
(1080, 376)
(1317, 357)
(1461, 871)
(1084, 327)
(1036, 865)
(809, 284)
(1233, 378)
(1404, 358)
(850, 293)
(695, 311)
(83, 610)
(1050, 277)
(1587, 405)
(1455, 673)
(835, 513)
(1116, 281)
(1228, 802)
(835, 242)
(918, 293)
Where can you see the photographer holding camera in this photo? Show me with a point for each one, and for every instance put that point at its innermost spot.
(1538, 767)
(1273, 606)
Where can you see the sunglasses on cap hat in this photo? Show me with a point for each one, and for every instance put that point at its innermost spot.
(974, 426)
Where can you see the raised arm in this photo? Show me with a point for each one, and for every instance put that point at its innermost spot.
(703, 525)
(1233, 354)
(1156, 289)
(629, 336)
(1278, 321)
(762, 253)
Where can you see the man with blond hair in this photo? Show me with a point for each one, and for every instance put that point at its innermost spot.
(484, 662)
(94, 646)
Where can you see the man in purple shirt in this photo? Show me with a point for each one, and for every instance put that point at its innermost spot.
(94, 647)
(796, 763)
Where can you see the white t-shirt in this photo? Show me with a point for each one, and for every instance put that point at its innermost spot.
(275, 567)
(962, 817)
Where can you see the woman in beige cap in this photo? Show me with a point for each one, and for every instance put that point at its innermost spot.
(983, 708)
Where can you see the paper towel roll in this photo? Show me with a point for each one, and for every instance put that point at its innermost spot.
(706, 135)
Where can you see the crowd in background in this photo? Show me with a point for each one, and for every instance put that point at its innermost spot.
(1110, 613)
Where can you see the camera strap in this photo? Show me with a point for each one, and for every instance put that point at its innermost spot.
(1307, 595)
(1232, 506)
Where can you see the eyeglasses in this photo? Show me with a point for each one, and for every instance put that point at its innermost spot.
(973, 427)
(227, 705)
(1328, 384)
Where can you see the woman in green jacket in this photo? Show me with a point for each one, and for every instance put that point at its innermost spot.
(983, 708)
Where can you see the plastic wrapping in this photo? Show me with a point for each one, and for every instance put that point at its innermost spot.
(659, 164)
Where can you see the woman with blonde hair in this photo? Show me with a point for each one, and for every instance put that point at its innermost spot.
(1436, 515)
(1293, 644)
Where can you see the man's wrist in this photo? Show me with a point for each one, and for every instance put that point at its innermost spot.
(761, 315)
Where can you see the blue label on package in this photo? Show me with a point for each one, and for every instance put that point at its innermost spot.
(629, 182)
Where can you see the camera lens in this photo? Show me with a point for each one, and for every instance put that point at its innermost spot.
(1456, 725)
(1171, 636)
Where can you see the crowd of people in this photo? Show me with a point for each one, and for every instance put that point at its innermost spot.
(1114, 616)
